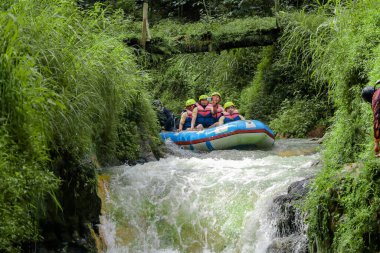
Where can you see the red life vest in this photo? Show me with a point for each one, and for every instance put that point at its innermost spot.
(219, 112)
(204, 115)
(231, 117)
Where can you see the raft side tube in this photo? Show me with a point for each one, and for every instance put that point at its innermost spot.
(231, 135)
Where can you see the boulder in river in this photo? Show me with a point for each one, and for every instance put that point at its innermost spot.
(288, 220)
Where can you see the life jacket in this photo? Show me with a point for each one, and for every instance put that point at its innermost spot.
(204, 115)
(235, 116)
(218, 114)
(189, 117)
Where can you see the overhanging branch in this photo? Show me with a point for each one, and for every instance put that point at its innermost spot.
(208, 42)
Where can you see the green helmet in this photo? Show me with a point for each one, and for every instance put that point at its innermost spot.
(190, 102)
(201, 97)
(216, 94)
(228, 104)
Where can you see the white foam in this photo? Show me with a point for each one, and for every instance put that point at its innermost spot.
(204, 201)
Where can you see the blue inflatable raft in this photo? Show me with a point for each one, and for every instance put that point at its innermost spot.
(236, 134)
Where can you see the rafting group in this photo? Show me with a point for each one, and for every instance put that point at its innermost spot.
(207, 113)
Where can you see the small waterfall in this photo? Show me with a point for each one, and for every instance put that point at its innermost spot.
(288, 221)
(220, 201)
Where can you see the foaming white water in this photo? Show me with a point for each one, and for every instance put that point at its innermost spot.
(214, 202)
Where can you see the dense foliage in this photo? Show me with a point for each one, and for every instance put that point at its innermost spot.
(189, 76)
(258, 80)
(338, 46)
(69, 88)
(193, 10)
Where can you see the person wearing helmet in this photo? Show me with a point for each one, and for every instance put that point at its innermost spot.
(367, 93)
(187, 115)
(202, 114)
(230, 114)
(164, 115)
(217, 108)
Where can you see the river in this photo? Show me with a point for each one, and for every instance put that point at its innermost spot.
(202, 202)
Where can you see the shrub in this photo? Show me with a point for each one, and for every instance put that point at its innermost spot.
(341, 51)
(296, 119)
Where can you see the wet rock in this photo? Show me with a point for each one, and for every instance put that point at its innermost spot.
(317, 132)
(147, 154)
(288, 220)
(299, 189)
(288, 244)
(146, 157)
(166, 151)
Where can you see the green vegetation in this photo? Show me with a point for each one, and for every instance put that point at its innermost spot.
(297, 119)
(70, 89)
(72, 94)
(343, 209)
(191, 75)
(257, 79)
(232, 27)
(194, 10)
(254, 105)
(168, 28)
(217, 34)
(338, 47)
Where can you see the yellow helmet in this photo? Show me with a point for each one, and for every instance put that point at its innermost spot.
(216, 94)
(201, 97)
(228, 104)
(190, 102)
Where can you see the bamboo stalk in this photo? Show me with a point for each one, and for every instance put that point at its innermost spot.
(145, 36)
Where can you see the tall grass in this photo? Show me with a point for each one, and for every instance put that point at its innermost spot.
(257, 104)
(67, 86)
(341, 51)
(24, 180)
(188, 76)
